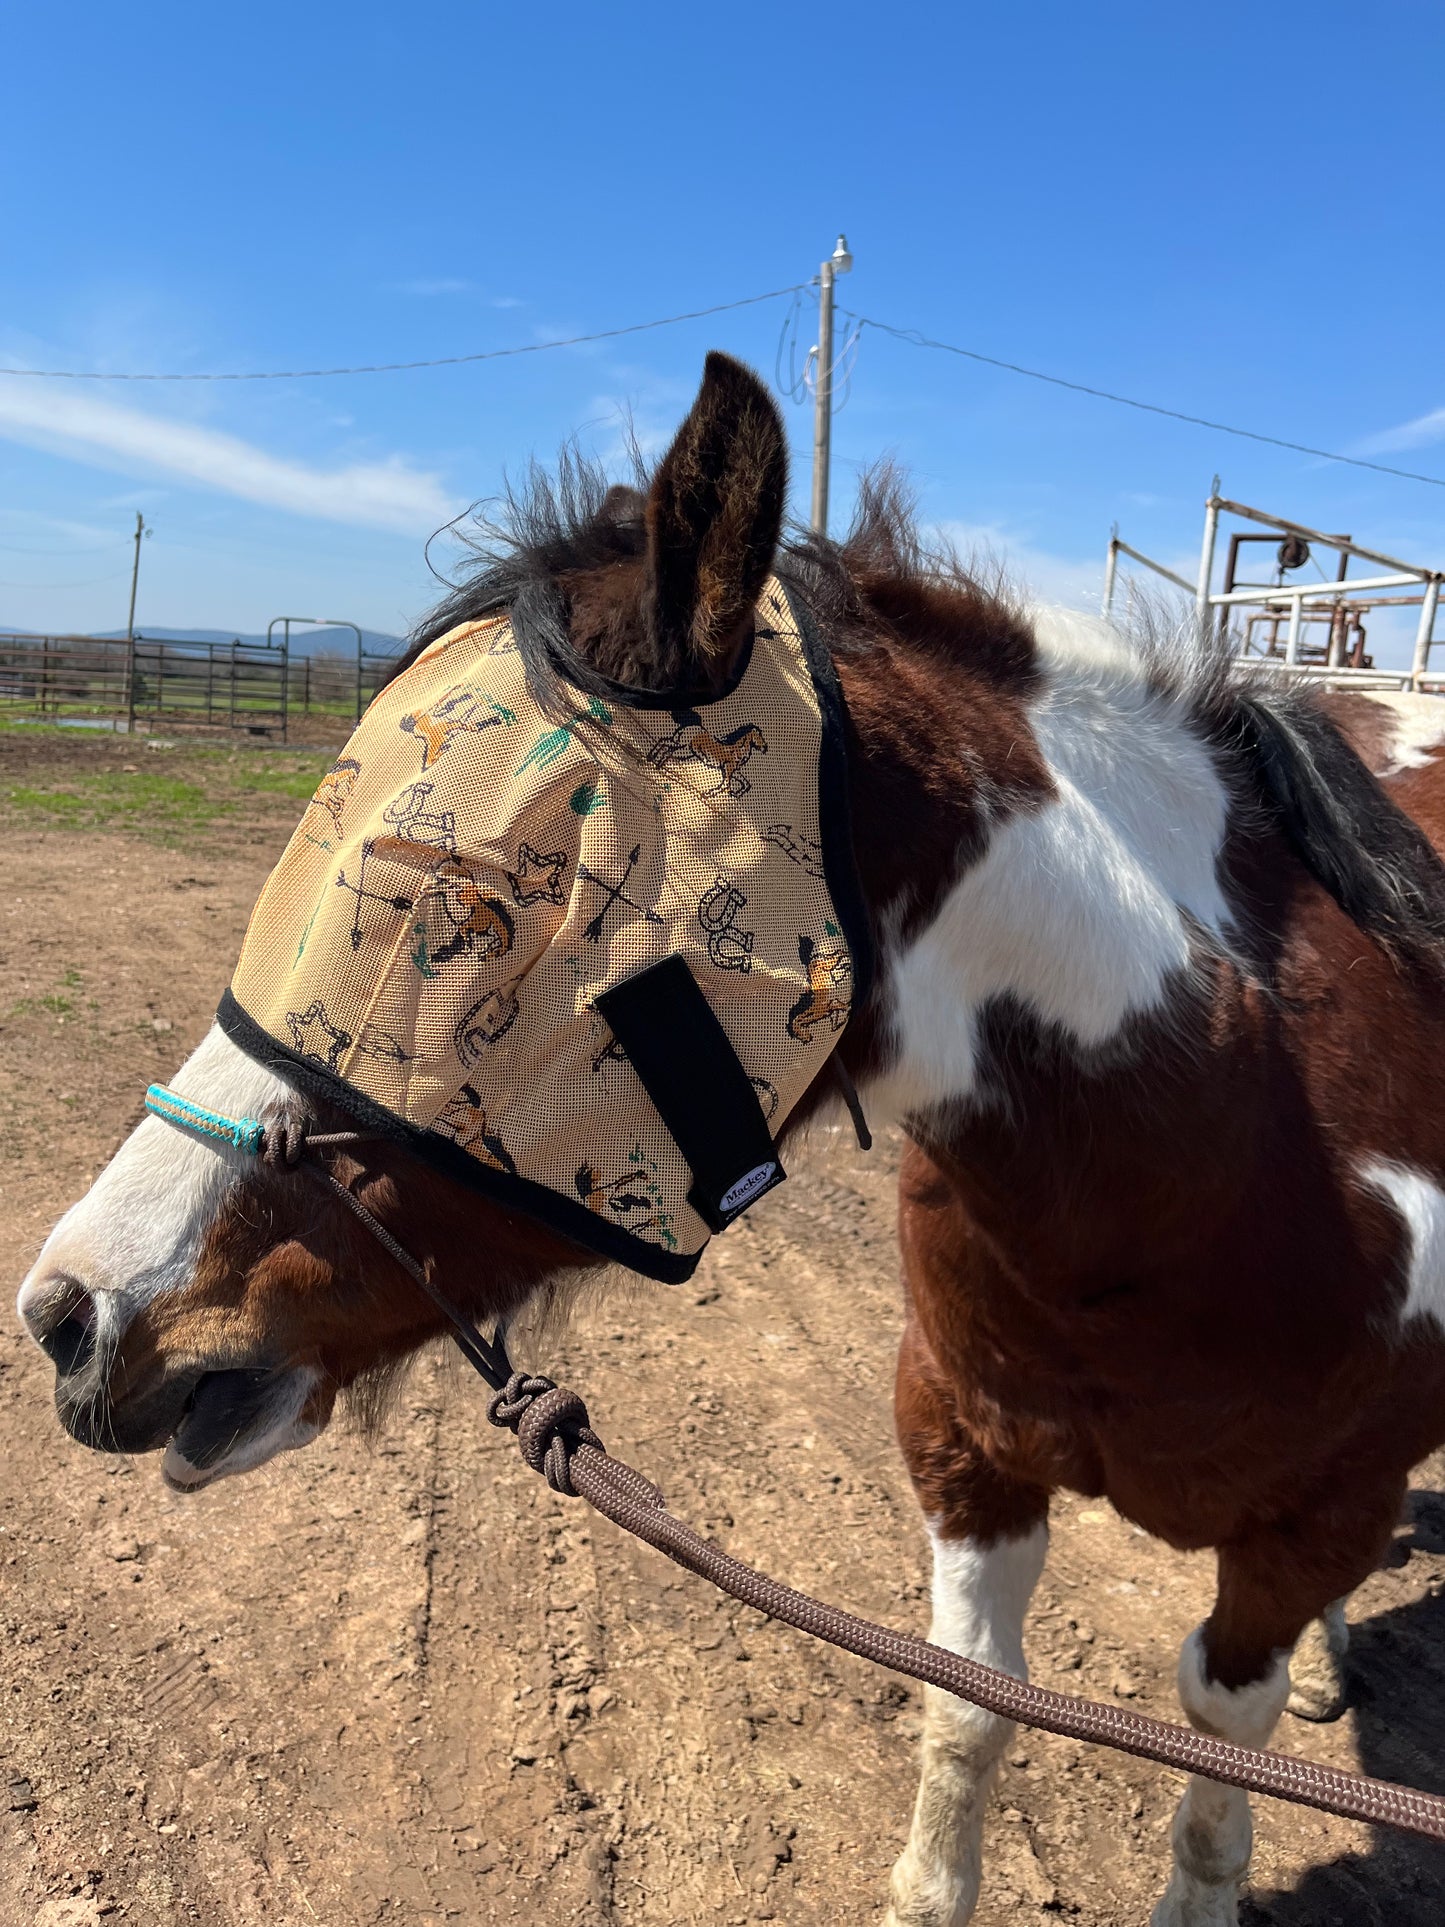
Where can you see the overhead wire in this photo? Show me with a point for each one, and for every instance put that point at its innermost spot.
(918, 340)
(796, 386)
(396, 367)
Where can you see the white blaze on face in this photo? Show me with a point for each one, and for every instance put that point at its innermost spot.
(138, 1231)
(1075, 908)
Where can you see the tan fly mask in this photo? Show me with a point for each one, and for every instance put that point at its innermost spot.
(588, 961)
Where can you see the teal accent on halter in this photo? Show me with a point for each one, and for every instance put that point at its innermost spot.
(246, 1133)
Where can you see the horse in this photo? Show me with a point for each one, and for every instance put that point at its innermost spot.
(693, 742)
(1159, 1011)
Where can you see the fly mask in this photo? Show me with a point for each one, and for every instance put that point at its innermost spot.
(585, 959)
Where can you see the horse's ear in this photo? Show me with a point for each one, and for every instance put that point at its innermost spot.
(714, 514)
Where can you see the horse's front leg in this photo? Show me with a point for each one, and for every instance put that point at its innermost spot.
(1234, 1680)
(988, 1536)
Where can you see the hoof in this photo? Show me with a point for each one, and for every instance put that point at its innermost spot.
(936, 1902)
(1191, 1904)
(1317, 1669)
(1316, 1699)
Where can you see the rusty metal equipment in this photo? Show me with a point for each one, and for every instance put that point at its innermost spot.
(1306, 629)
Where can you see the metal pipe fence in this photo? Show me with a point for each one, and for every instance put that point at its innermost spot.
(1336, 611)
(238, 688)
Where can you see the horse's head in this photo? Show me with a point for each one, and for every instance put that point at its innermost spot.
(196, 1299)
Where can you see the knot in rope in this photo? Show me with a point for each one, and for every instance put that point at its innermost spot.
(550, 1423)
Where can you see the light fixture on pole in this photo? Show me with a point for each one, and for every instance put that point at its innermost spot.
(839, 262)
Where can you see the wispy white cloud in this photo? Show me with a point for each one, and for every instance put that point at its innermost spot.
(1419, 433)
(432, 287)
(389, 494)
(1074, 582)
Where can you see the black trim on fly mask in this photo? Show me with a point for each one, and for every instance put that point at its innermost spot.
(689, 1069)
(585, 1228)
(835, 813)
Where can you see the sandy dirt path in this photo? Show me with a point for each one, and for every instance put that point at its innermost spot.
(401, 1682)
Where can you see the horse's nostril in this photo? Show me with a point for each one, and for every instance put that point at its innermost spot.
(63, 1324)
(70, 1345)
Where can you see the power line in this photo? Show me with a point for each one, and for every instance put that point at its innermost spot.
(440, 361)
(1149, 407)
(911, 335)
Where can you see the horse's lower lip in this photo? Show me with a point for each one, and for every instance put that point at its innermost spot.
(221, 1410)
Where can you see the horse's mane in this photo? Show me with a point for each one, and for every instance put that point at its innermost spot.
(1343, 825)
(1277, 741)
(578, 518)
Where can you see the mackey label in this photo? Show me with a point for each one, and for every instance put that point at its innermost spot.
(747, 1188)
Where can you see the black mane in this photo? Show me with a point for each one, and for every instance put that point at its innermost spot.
(579, 519)
(1342, 824)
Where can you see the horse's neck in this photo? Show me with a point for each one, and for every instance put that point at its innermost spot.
(1060, 971)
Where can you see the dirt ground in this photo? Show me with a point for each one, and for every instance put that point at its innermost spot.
(402, 1682)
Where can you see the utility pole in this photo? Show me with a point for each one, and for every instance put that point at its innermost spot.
(140, 530)
(838, 263)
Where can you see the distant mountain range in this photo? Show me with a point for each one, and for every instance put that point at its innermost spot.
(304, 642)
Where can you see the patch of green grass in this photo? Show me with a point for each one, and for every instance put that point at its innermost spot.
(157, 803)
(147, 800)
(55, 1002)
(298, 782)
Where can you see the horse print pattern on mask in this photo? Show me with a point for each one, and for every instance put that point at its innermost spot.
(464, 1121)
(828, 998)
(632, 1199)
(693, 742)
(335, 787)
(460, 711)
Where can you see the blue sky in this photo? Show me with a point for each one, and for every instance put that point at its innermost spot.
(1241, 220)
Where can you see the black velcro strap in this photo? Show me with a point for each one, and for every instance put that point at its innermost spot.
(703, 1095)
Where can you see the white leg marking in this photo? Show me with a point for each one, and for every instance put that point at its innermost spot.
(1317, 1667)
(1213, 1833)
(980, 1596)
(1420, 1202)
(1075, 909)
(137, 1232)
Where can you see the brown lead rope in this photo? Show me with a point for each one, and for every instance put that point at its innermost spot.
(556, 1440)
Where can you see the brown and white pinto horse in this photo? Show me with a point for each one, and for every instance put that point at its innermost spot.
(1161, 1010)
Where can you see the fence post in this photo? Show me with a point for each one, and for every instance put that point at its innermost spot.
(1425, 633)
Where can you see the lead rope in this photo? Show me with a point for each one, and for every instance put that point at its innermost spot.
(557, 1440)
